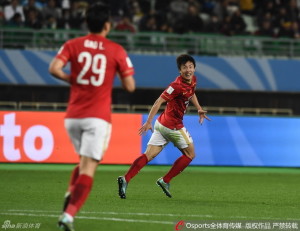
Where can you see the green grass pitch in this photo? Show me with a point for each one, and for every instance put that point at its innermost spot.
(31, 196)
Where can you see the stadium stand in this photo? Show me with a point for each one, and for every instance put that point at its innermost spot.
(229, 17)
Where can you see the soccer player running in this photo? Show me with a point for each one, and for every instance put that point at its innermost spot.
(94, 60)
(169, 126)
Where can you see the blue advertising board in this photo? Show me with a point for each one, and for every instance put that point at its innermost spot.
(238, 141)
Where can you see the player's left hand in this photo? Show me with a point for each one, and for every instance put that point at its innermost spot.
(202, 114)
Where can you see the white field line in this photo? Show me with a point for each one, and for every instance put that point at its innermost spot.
(117, 213)
(42, 213)
(88, 218)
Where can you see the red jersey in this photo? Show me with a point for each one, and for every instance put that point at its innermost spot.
(177, 95)
(95, 61)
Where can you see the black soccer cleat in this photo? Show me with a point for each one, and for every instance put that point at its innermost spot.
(122, 187)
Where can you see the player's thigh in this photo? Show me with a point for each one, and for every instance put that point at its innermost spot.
(95, 138)
(180, 138)
(156, 143)
(152, 151)
(73, 127)
(88, 166)
(157, 138)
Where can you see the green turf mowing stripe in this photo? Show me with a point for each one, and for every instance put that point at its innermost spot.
(225, 169)
(199, 193)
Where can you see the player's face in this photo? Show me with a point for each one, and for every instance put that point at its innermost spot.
(187, 71)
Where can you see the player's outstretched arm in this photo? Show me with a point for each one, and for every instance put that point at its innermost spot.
(201, 112)
(56, 69)
(148, 124)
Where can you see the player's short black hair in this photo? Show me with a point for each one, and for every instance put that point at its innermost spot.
(183, 59)
(97, 15)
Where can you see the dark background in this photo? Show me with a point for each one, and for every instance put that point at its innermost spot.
(146, 96)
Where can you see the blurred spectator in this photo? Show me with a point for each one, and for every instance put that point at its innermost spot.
(166, 27)
(295, 33)
(50, 10)
(65, 4)
(207, 6)
(11, 9)
(179, 8)
(220, 9)
(4, 2)
(64, 21)
(233, 24)
(1, 16)
(162, 6)
(77, 11)
(50, 23)
(267, 6)
(178, 11)
(31, 5)
(283, 21)
(266, 29)
(293, 10)
(232, 7)
(15, 21)
(226, 28)
(33, 21)
(125, 25)
(213, 25)
(163, 23)
(38, 3)
(196, 4)
(137, 13)
(238, 23)
(119, 8)
(267, 16)
(290, 31)
(149, 23)
(192, 22)
(154, 21)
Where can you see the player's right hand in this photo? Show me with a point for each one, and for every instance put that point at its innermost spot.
(146, 126)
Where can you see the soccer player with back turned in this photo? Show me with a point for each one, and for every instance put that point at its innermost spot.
(169, 126)
(94, 61)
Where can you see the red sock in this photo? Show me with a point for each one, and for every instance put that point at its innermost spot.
(179, 165)
(79, 193)
(136, 166)
(74, 177)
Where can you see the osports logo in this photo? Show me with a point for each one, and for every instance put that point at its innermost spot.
(179, 225)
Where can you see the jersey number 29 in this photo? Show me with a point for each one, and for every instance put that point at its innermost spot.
(97, 65)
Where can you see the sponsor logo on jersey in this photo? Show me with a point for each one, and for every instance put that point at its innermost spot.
(170, 90)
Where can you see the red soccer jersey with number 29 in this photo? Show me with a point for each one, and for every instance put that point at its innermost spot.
(177, 95)
(94, 61)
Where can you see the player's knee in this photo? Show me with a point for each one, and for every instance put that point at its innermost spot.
(191, 155)
(150, 157)
(188, 153)
(152, 151)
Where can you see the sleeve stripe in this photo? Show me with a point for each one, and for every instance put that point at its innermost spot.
(127, 73)
(165, 97)
(61, 57)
